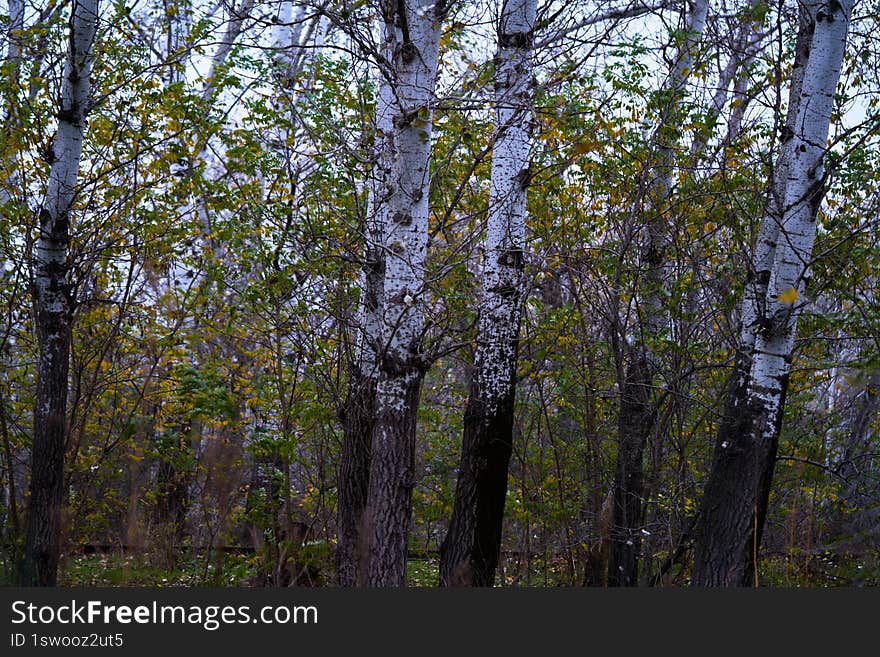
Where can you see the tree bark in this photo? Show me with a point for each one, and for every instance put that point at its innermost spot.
(470, 552)
(53, 304)
(735, 500)
(11, 496)
(635, 423)
(360, 404)
(746, 43)
(354, 477)
(724, 515)
(415, 26)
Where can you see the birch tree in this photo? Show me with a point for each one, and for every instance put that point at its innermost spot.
(735, 500)
(413, 26)
(53, 305)
(359, 407)
(637, 409)
(469, 554)
(709, 146)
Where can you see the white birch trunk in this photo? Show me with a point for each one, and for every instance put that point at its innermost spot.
(786, 292)
(415, 26)
(16, 25)
(178, 27)
(735, 499)
(746, 45)
(754, 306)
(293, 31)
(744, 49)
(51, 247)
(380, 186)
(178, 33)
(470, 552)
(359, 409)
(664, 143)
(238, 15)
(13, 48)
(675, 87)
(506, 226)
(359, 406)
(53, 305)
(752, 33)
(407, 229)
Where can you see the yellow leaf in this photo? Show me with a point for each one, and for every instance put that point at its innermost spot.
(788, 296)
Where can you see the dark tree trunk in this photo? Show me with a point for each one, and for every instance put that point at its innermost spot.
(354, 478)
(42, 544)
(10, 474)
(469, 554)
(637, 411)
(731, 517)
(392, 476)
(172, 492)
(637, 415)
(359, 410)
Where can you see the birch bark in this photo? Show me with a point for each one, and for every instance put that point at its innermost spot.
(470, 552)
(53, 305)
(734, 505)
(415, 26)
(360, 403)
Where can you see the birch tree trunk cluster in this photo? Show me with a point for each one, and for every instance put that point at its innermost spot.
(458, 294)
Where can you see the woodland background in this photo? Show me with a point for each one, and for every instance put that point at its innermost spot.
(218, 261)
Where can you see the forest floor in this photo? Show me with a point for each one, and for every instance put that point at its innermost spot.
(242, 570)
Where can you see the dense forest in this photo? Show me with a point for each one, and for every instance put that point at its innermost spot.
(440, 293)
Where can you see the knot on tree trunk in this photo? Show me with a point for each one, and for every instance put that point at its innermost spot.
(516, 39)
